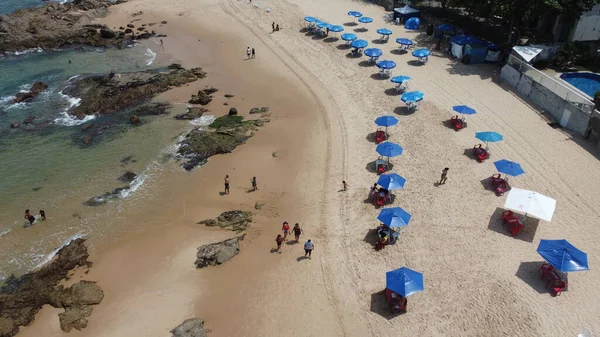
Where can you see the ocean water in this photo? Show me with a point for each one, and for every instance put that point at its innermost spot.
(9, 6)
(48, 167)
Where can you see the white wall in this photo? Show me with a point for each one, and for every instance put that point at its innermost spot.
(588, 27)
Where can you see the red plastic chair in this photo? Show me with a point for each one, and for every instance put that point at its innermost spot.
(381, 168)
(458, 124)
(558, 287)
(515, 227)
(380, 201)
(481, 155)
(380, 136)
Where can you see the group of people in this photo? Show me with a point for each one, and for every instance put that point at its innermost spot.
(29, 217)
(377, 192)
(251, 53)
(285, 228)
(252, 182)
(275, 27)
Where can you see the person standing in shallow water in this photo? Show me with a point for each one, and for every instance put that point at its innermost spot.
(29, 217)
(42, 214)
(227, 184)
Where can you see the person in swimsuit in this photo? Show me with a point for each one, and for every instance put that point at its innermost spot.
(254, 187)
(444, 176)
(227, 184)
(308, 248)
(286, 229)
(42, 214)
(279, 241)
(29, 217)
(297, 232)
(345, 185)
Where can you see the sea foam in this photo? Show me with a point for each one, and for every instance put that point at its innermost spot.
(47, 258)
(151, 56)
(67, 120)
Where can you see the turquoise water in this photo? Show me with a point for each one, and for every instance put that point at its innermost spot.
(9, 6)
(49, 168)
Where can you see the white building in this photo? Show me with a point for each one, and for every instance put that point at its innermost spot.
(588, 26)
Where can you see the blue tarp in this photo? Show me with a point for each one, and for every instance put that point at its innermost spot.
(404, 41)
(389, 149)
(336, 29)
(489, 136)
(394, 217)
(412, 24)
(563, 256)
(462, 40)
(400, 79)
(463, 109)
(359, 44)
(386, 120)
(413, 96)
(373, 52)
(386, 64)
(509, 167)
(404, 281)
(349, 37)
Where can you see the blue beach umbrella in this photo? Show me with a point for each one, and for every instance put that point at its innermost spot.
(389, 149)
(463, 109)
(404, 281)
(391, 181)
(359, 44)
(355, 14)
(394, 217)
(386, 121)
(413, 96)
(336, 28)
(384, 31)
(563, 256)
(365, 19)
(323, 25)
(421, 53)
(489, 136)
(400, 79)
(373, 52)
(404, 41)
(386, 64)
(509, 167)
(310, 19)
(349, 37)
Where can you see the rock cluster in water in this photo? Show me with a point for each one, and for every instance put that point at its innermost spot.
(27, 96)
(219, 252)
(234, 220)
(55, 25)
(21, 298)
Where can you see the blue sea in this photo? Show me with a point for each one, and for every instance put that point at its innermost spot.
(48, 167)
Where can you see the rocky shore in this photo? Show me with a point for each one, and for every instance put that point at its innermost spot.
(21, 298)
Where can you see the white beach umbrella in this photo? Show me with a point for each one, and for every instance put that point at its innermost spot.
(531, 203)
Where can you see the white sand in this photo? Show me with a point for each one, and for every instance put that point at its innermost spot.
(478, 280)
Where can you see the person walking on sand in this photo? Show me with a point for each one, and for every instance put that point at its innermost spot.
(308, 248)
(279, 241)
(227, 184)
(345, 186)
(248, 52)
(253, 53)
(254, 187)
(444, 176)
(277, 28)
(297, 231)
(286, 229)
(273, 27)
(161, 43)
(29, 217)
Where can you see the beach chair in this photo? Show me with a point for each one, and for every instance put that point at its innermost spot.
(514, 226)
(412, 106)
(557, 287)
(381, 166)
(424, 59)
(457, 123)
(480, 154)
(397, 303)
(380, 136)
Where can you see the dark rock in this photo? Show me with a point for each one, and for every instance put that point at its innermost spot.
(191, 113)
(108, 94)
(135, 120)
(225, 103)
(164, 22)
(264, 109)
(137, 13)
(218, 253)
(191, 327)
(129, 25)
(126, 160)
(151, 24)
(23, 297)
(144, 36)
(86, 126)
(232, 112)
(87, 140)
(104, 198)
(229, 96)
(198, 72)
(236, 221)
(14, 125)
(35, 89)
(38, 87)
(202, 98)
(153, 109)
(128, 177)
(144, 25)
(128, 31)
(121, 28)
(35, 189)
(258, 206)
(254, 111)
(141, 29)
(29, 120)
(107, 33)
(175, 66)
(210, 91)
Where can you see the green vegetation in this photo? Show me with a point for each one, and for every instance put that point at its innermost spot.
(227, 122)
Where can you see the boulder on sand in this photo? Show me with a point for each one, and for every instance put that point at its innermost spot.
(107, 33)
(234, 220)
(191, 113)
(201, 98)
(219, 252)
(232, 112)
(192, 327)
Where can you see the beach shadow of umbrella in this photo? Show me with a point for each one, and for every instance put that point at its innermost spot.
(529, 273)
(373, 169)
(397, 51)
(318, 37)
(303, 30)
(361, 30)
(374, 203)
(469, 154)
(527, 234)
(379, 41)
(371, 237)
(404, 111)
(343, 46)
(352, 55)
(366, 63)
(331, 39)
(380, 306)
(392, 92)
(350, 24)
(414, 63)
(371, 137)
(448, 123)
(377, 76)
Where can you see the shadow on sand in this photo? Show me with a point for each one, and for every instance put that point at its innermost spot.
(380, 306)
(527, 234)
(528, 272)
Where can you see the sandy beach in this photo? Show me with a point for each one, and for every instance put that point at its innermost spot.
(479, 281)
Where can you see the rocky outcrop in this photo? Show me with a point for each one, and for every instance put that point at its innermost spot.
(192, 327)
(104, 198)
(232, 112)
(236, 221)
(263, 110)
(191, 113)
(201, 98)
(27, 96)
(218, 253)
(110, 93)
(21, 298)
(57, 25)
(224, 134)
(127, 177)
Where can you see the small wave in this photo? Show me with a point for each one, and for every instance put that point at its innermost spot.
(203, 120)
(27, 51)
(72, 78)
(47, 258)
(5, 100)
(67, 120)
(133, 186)
(151, 56)
(4, 232)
